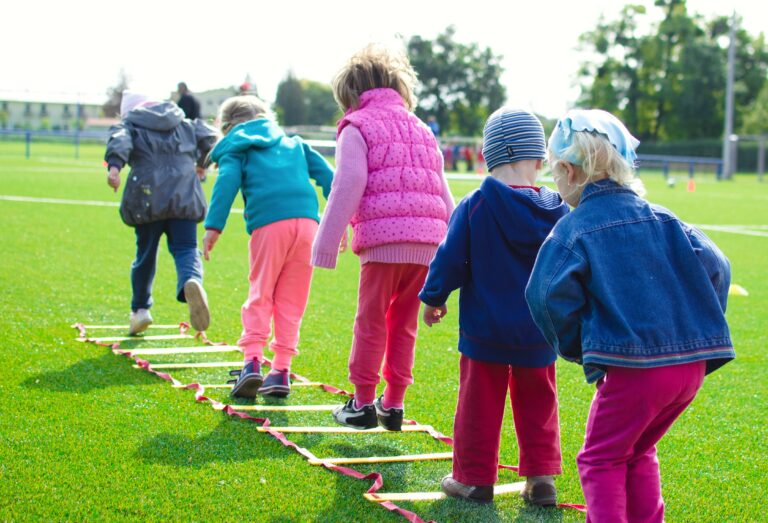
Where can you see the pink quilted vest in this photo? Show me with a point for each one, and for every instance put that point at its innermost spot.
(401, 202)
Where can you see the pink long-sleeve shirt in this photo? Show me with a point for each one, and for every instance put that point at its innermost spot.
(347, 190)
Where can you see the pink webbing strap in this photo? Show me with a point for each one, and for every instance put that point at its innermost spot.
(377, 478)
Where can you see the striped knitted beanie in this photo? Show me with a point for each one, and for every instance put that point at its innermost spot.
(511, 135)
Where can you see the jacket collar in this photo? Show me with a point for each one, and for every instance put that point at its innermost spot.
(380, 96)
(601, 187)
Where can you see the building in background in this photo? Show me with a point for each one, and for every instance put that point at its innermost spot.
(46, 112)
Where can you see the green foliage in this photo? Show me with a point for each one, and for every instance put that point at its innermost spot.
(305, 102)
(669, 84)
(289, 101)
(460, 84)
(756, 118)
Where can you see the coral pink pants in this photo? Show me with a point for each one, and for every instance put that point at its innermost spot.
(480, 411)
(631, 411)
(279, 279)
(385, 329)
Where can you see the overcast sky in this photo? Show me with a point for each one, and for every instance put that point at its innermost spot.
(79, 46)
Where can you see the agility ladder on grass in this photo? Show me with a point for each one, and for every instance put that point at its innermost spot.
(386, 500)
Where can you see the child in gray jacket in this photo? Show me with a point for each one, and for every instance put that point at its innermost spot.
(162, 195)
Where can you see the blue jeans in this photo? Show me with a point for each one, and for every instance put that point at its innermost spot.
(182, 243)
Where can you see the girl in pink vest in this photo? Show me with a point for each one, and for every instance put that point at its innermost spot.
(389, 185)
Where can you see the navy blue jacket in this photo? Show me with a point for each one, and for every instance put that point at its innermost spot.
(621, 282)
(493, 238)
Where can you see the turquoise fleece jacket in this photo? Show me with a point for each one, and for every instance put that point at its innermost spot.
(271, 170)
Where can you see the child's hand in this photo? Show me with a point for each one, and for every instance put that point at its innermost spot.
(113, 178)
(433, 315)
(209, 240)
(200, 171)
(344, 241)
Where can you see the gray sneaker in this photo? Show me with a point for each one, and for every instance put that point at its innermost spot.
(350, 416)
(540, 490)
(197, 300)
(139, 321)
(475, 493)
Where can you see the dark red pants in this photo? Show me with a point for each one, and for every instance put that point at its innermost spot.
(480, 412)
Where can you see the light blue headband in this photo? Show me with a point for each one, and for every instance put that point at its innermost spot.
(592, 120)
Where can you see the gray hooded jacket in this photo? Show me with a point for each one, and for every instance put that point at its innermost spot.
(161, 147)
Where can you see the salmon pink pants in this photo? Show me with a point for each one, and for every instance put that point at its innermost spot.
(279, 279)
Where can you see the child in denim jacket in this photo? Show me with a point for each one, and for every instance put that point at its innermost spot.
(637, 298)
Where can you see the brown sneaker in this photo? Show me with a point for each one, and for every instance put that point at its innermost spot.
(197, 300)
(478, 494)
(540, 490)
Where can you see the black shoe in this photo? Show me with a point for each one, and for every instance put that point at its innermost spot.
(475, 493)
(249, 380)
(349, 416)
(540, 490)
(390, 419)
(277, 384)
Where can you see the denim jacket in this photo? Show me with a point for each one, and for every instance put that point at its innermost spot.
(621, 282)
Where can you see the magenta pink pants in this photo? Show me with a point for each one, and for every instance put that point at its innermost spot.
(279, 280)
(480, 411)
(631, 411)
(385, 328)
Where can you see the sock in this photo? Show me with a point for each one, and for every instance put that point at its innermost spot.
(394, 396)
(282, 361)
(364, 395)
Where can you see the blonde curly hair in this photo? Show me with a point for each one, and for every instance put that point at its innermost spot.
(373, 67)
(240, 109)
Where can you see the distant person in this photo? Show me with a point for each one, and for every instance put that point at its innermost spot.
(503, 354)
(637, 298)
(273, 172)
(391, 188)
(455, 155)
(162, 195)
(469, 158)
(187, 102)
(433, 126)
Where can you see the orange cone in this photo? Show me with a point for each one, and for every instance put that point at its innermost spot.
(691, 185)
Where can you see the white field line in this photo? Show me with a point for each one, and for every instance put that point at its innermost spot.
(735, 230)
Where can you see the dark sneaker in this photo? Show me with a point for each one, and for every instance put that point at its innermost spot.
(540, 490)
(197, 300)
(277, 384)
(248, 381)
(349, 416)
(477, 494)
(390, 419)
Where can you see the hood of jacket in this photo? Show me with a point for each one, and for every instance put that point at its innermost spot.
(261, 133)
(523, 216)
(160, 117)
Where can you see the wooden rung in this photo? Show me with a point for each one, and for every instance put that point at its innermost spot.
(139, 338)
(279, 408)
(229, 385)
(126, 327)
(202, 349)
(191, 365)
(506, 488)
(343, 430)
(383, 459)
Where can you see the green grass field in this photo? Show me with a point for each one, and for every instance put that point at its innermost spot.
(83, 436)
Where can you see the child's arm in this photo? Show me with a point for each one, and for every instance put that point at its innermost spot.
(347, 190)
(556, 297)
(714, 262)
(228, 183)
(206, 137)
(319, 169)
(450, 267)
(119, 147)
(446, 191)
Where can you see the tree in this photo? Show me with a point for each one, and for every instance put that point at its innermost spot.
(460, 84)
(669, 84)
(111, 107)
(756, 118)
(320, 107)
(289, 101)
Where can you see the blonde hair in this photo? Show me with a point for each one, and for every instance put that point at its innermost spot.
(240, 109)
(372, 67)
(598, 159)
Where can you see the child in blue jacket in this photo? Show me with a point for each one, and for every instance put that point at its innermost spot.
(637, 298)
(493, 238)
